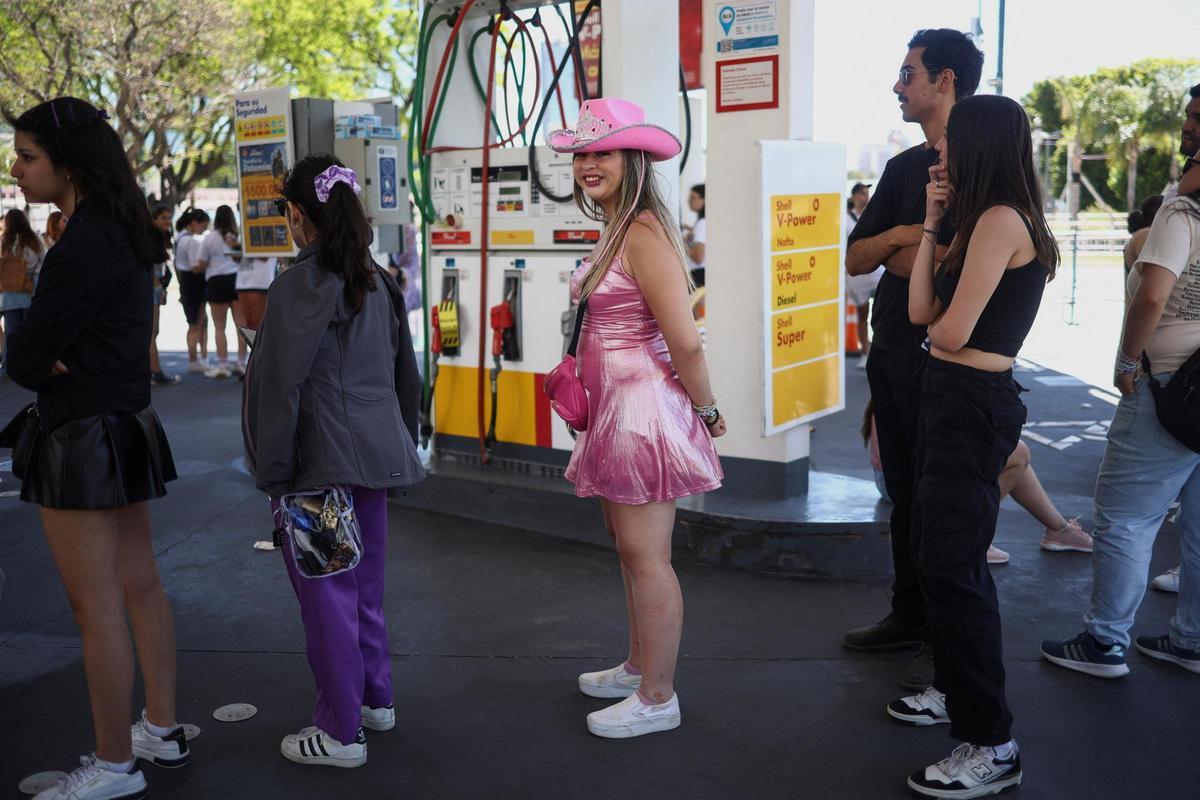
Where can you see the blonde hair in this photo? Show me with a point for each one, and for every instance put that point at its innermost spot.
(639, 193)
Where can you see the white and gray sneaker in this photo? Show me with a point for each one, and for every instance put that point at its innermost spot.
(91, 782)
(1168, 581)
(379, 719)
(316, 747)
(631, 717)
(615, 682)
(970, 771)
(926, 708)
(168, 751)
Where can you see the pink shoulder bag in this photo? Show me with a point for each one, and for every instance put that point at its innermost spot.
(562, 385)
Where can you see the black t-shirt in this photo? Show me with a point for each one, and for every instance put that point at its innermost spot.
(899, 199)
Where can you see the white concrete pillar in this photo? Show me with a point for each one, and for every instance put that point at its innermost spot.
(640, 62)
(777, 464)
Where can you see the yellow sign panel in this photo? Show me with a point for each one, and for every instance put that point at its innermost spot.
(799, 391)
(799, 221)
(512, 237)
(801, 279)
(261, 128)
(804, 334)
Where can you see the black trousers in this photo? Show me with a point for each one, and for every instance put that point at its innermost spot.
(891, 374)
(970, 423)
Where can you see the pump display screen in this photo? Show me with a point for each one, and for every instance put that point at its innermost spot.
(500, 174)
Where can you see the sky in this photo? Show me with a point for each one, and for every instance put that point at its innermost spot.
(859, 46)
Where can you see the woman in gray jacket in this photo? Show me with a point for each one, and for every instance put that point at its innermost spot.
(332, 393)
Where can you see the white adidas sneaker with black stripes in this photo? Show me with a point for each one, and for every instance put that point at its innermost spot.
(314, 746)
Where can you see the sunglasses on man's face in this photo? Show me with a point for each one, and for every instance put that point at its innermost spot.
(281, 206)
(906, 74)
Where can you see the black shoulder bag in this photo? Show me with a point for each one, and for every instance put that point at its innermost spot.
(1178, 403)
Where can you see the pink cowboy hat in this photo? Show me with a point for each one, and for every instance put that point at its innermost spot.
(609, 123)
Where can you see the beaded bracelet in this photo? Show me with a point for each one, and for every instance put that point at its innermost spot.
(1126, 365)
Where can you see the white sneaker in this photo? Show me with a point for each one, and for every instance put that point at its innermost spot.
(615, 682)
(926, 708)
(996, 556)
(1168, 581)
(216, 372)
(970, 771)
(632, 717)
(90, 782)
(316, 747)
(197, 368)
(379, 719)
(168, 751)
(235, 368)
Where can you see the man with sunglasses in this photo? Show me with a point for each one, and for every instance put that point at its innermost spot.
(941, 67)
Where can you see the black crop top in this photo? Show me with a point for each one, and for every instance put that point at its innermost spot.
(1009, 313)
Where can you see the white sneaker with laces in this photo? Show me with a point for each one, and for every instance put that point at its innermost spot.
(91, 782)
(379, 719)
(615, 682)
(926, 708)
(970, 771)
(218, 371)
(197, 368)
(314, 746)
(1168, 581)
(631, 717)
(168, 751)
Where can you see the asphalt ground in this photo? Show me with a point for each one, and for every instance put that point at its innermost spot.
(489, 627)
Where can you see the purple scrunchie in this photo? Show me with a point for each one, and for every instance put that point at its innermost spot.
(335, 174)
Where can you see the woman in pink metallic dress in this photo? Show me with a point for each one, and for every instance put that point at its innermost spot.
(652, 416)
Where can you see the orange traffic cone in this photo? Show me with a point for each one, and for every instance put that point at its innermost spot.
(852, 348)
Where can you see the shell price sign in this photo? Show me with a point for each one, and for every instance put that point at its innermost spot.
(803, 314)
(800, 221)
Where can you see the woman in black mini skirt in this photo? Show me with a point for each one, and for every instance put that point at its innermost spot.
(99, 452)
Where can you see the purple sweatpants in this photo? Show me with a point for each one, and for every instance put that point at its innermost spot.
(344, 629)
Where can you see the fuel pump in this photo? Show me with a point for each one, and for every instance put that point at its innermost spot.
(503, 346)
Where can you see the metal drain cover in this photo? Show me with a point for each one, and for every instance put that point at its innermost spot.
(235, 712)
(40, 782)
(191, 731)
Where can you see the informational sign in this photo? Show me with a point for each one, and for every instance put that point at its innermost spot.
(589, 47)
(389, 196)
(747, 84)
(691, 41)
(803, 313)
(746, 25)
(262, 134)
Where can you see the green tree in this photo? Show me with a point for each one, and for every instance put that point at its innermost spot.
(166, 70)
(1129, 114)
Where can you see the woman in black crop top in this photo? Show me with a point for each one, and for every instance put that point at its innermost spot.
(99, 452)
(979, 305)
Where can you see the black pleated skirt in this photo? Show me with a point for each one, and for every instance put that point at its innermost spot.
(101, 462)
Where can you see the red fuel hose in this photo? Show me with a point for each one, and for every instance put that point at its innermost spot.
(484, 455)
